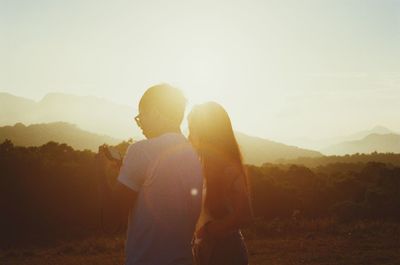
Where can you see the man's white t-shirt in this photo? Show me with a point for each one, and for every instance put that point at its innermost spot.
(166, 173)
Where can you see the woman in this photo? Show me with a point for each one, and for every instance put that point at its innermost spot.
(226, 204)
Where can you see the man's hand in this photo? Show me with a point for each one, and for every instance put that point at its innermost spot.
(104, 160)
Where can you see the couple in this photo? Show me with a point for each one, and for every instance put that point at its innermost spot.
(187, 199)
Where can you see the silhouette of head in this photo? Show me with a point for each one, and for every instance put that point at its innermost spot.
(161, 110)
(210, 126)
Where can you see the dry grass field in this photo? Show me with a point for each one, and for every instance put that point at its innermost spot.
(273, 243)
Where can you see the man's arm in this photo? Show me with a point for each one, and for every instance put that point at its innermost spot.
(119, 197)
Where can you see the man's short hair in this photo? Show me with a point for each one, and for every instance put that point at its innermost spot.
(169, 100)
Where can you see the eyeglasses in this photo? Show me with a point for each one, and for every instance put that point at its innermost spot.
(137, 119)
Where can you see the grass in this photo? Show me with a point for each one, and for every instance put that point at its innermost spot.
(280, 242)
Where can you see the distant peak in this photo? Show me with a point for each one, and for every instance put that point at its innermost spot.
(5, 96)
(381, 136)
(19, 125)
(9, 95)
(380, 129)
(57, 95)
(65, 97)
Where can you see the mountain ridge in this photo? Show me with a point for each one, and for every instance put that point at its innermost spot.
(90, 113)
(374, 142)
(62, 132)
(255, 150)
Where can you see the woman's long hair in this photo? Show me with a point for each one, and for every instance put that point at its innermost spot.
(211, 133)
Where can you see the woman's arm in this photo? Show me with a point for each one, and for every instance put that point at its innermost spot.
(240, 216)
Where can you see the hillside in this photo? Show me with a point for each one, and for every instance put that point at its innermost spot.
(87, 112)
(325, 143)
(257, 150)
(61, 132)
(383, 143)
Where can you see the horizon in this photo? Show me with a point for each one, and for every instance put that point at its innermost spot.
(332, 139)
(334, 74)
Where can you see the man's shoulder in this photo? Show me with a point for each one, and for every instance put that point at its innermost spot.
(138, 148)
(155, 146)
(167, 141)
(168, 137)
(141, 144)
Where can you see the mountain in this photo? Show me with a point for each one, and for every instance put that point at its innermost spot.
(257, 150)
(104, 117)
(14, 109)
(325, 143)
(87, 112)
(383, 143)
(362, 134)
(61, 132)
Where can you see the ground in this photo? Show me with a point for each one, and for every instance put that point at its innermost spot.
(363, 244)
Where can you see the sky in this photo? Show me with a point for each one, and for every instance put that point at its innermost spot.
(284, 70)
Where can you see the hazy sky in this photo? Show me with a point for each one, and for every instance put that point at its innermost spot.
(283, 69)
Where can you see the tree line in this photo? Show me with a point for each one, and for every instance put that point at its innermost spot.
(52, 191)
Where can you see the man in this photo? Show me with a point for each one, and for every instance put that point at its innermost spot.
(160, 179)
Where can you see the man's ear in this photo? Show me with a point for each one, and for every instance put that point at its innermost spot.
(160, 118)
